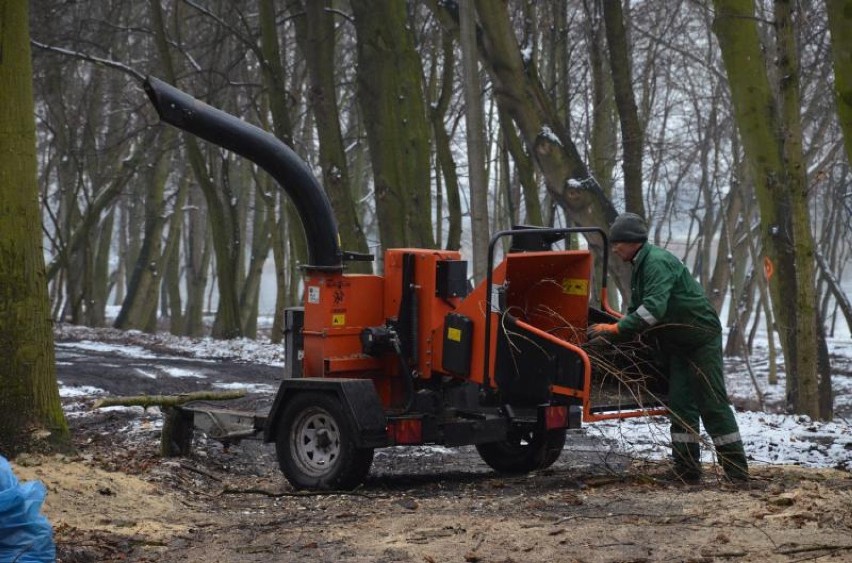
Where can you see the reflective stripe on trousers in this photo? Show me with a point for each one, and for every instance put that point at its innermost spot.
(726, 439)
(686, 438)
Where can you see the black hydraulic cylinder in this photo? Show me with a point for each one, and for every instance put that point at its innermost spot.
(181, 110)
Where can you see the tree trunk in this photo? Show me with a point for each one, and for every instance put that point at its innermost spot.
(519, 92)
(803, 391)
(826, 394)
(720, 279)
(835, 289)
(263, 221)
(524, 169)
(197, 263)
(96, 308)
(171, 260)
(282, 266)
(602, 150)
(475, 137)
(289, 247)
(631, 130)
(391, 100)
(443, 152)
(221, 211)
(315, 30)
(30, 412)
(840, 26)
(772, 141)
(139, 310)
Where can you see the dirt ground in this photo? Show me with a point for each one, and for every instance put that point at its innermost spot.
(117, 500)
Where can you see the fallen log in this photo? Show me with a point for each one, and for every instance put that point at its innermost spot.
(176, 435)
(166, 400)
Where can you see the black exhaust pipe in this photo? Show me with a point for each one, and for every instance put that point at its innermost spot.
(267, 151)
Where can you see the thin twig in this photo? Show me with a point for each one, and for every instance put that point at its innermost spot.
(807, 549)
(109, 63)
(200, 471)
(253, 491)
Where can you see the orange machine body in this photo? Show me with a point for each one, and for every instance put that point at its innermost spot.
(546, 293)
(548, 289)
(339, 306)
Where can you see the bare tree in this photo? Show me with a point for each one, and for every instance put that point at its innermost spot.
(778, 170)
(631, 130)
(475, 137)
(391, 99)
(840, 25)
(31, 414)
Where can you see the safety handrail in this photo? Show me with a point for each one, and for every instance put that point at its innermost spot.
(489, 277)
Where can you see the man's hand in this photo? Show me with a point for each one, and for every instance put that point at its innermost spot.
(601, 329)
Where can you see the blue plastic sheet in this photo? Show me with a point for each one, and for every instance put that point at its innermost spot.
(25, 535)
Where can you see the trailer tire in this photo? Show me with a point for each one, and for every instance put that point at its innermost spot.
(523, 453)
(316, 447)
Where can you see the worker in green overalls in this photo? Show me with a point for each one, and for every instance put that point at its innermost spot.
(671, 310)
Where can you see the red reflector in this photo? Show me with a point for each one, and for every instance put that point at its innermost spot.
(406, 431)
(555, 417)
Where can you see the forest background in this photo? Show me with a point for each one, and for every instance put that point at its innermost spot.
(434, 124)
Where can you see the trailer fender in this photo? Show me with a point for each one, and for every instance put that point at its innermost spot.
(358, 397)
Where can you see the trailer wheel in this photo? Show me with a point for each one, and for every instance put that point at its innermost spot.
(523, 452)
(316, 445)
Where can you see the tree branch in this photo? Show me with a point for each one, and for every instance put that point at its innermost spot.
(92, 59)
(166, 400)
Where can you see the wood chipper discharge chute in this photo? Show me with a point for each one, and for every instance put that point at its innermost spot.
(415, 356)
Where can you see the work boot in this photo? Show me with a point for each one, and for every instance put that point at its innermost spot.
(684, 474)
(680, 475)
(687, 462)
(733, 461)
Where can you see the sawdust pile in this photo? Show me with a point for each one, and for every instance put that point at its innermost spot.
(182, 510)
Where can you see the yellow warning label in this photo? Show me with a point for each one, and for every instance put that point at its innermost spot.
(338, 319)
(454, 334)
(575, 286)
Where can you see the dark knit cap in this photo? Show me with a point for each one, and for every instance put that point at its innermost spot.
(628, 227)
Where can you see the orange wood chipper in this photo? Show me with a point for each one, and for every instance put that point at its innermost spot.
(417, 356)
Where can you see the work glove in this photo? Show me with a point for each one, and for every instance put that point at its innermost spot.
(601, 330)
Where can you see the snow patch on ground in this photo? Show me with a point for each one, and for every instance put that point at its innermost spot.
(148, 374)
(126, 351)
(770, 437)
(180, 372)
(79, 391)
(136, 342)
(247, 387)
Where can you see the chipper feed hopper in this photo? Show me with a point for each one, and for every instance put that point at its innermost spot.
(417, 356)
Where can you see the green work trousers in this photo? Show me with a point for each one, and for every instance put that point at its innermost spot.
(697, 392)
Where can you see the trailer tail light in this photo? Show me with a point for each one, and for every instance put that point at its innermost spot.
(405, 431)
(555, 417)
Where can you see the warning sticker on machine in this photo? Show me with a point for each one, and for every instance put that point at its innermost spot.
(313, 294)
(454, 334)
(338, 319)
(575, 286)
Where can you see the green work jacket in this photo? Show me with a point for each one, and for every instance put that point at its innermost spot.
(667, 303)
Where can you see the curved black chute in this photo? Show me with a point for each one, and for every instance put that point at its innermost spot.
(267, 151)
